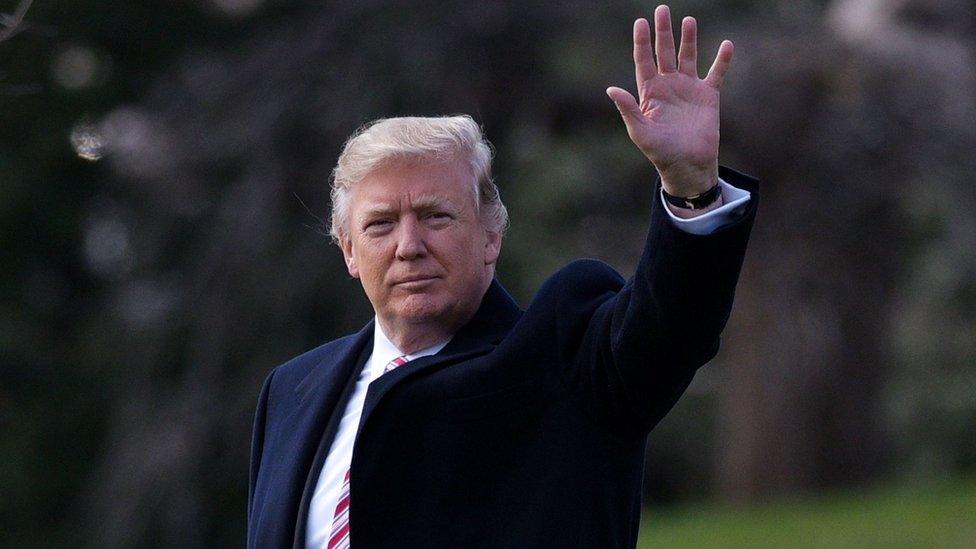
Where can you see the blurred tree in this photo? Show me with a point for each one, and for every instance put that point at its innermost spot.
(929, 53)
(75, 308)
(855, 123)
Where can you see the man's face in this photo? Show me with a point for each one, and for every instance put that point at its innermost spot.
(416, 243)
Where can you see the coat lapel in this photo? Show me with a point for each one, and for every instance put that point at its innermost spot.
(346, 366)
(325, 381)
(318, 396)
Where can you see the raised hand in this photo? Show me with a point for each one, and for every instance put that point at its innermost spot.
(676, 122)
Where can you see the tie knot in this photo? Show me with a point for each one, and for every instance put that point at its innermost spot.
(396, 363)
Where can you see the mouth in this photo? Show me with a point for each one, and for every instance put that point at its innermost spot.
(415, 281)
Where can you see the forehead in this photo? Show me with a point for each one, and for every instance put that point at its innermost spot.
(451, 181)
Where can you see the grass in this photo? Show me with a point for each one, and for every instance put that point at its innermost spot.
(941, 515)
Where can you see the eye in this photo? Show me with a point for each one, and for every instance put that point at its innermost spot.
(438, 217)
(377, 225)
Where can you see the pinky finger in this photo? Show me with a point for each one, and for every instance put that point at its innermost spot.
(716, 74)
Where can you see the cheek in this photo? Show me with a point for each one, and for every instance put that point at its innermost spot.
(467, 254)
(371, 259)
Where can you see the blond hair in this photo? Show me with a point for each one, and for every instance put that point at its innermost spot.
(426, 139)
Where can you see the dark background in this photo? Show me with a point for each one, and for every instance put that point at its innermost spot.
(164, 175)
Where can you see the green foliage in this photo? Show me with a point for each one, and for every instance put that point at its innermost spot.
(938, 515)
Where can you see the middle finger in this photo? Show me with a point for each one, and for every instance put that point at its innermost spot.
(664, 40)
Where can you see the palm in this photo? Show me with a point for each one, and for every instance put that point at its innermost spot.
(676, 122)
(679, 121)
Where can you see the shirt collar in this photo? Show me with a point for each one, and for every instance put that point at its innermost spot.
(384, 350)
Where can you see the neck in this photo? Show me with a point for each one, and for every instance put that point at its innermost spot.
(415, 337)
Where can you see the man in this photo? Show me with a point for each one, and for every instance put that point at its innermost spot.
(455, 419)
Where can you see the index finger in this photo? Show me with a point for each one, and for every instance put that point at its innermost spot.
(643, 55)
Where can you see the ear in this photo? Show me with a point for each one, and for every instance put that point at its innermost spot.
(346, 244)
(493, 247)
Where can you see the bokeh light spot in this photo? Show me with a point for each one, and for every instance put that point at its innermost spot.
(87, 141)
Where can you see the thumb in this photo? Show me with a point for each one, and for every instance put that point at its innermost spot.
(625, 102)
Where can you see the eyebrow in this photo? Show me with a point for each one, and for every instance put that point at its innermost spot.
(431, 202)
(421, 203)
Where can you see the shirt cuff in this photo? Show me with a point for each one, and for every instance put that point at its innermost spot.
(735, 200)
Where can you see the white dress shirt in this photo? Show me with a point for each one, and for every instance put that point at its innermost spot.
(321, 511)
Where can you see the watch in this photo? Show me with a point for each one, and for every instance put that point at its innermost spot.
(695, 201)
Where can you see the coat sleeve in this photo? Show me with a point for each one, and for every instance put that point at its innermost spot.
(633, 347)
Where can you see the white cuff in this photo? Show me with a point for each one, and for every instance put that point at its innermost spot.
(735, 203)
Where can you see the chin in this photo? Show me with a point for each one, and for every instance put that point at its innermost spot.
(419, 309)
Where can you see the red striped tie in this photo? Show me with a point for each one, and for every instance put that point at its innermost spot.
(396, 362)
(339, 539)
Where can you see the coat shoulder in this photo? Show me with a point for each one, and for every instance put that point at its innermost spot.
(579, 280)
(291, 373)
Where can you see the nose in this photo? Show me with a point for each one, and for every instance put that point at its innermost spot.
(410, 240)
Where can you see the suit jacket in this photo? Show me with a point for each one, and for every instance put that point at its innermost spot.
(529, 428)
